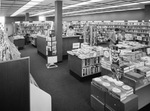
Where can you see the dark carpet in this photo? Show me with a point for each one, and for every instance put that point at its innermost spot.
(67, 92)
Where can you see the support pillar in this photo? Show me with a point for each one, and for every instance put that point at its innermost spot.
(58, 28)
(147, 10)
(27, 17)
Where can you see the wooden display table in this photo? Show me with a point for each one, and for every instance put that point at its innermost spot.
(78, 66)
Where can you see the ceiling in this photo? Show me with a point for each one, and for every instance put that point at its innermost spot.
(8, 7)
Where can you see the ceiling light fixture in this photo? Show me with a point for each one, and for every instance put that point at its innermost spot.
(70, 6)
(103, 12)
(30, 4)
(83, 3)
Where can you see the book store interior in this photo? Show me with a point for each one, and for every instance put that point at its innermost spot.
(75, 55)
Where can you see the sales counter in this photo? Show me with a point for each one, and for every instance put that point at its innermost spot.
(66, 41)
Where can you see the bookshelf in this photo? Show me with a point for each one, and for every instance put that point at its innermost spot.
(32, 27)
(138, 30)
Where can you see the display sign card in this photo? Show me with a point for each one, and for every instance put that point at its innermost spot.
(52, 59)
(76, 45)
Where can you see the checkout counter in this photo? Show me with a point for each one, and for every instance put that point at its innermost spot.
(67, 42)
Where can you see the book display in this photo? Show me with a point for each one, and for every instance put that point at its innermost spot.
(132, 69)
(134, 29)
(8, 51)
(33, 27)
(108, 94)
(51, 50)
(87, 60)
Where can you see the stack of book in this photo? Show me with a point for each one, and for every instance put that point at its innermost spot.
(116, 88)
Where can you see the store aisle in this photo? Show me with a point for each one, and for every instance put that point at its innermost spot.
(68, 93)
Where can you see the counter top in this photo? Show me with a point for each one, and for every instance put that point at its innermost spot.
(70, 36)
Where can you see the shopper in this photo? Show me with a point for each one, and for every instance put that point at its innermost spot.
(70, 31)
(115, 37)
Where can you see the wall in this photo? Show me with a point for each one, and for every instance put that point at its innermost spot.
(123, 15)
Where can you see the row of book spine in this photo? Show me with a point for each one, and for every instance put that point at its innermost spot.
(91, 61)
(91, 70)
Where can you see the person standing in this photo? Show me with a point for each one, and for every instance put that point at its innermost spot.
(115, 37)
(70, 31)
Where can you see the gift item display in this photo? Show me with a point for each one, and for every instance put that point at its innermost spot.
(8, 51)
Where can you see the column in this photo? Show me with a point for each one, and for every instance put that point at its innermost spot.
(58, 28)
(27, 17)
(147, 10)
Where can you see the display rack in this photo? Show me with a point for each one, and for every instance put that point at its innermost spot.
(51, 50)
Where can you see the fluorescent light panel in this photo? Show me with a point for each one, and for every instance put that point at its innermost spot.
(70, 6)
(83, 3)
(105, 11)
(30, 4)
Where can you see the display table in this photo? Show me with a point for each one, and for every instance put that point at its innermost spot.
(103, 100)
(68, 42)
(141, 90)
(77, 65)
